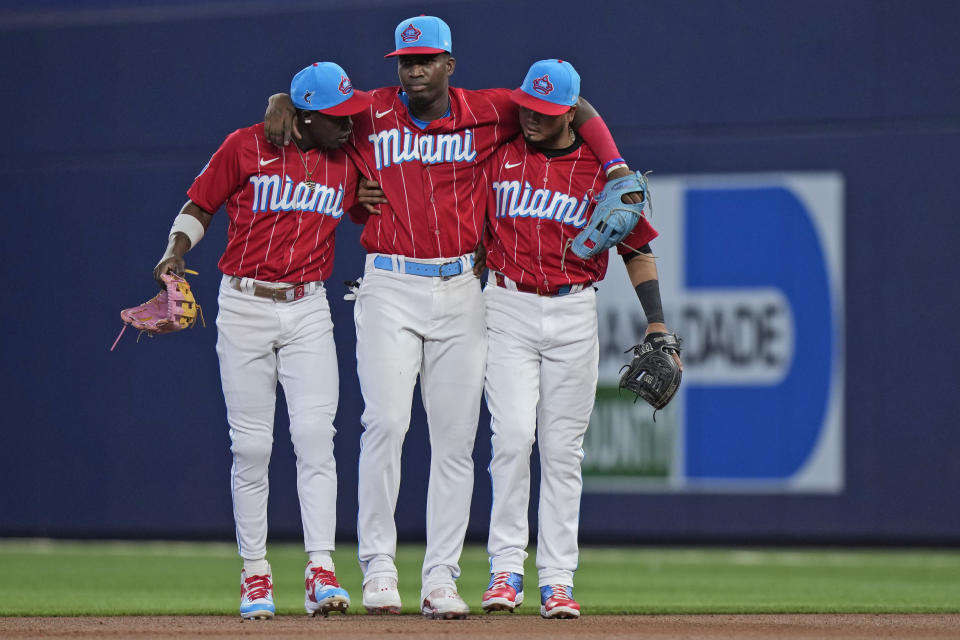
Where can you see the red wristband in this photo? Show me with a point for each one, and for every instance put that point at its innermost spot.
(597, 136)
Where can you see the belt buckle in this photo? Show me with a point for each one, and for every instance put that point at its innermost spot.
(453, 262)
(288, 294)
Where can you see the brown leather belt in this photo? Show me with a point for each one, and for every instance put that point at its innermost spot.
(283, 294)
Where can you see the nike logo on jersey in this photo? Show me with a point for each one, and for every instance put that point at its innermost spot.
(511, 165)
(264, 163)
(380, 114)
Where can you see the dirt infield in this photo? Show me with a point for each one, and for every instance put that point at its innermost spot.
(688, 627)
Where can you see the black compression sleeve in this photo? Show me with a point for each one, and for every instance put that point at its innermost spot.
(649, 294)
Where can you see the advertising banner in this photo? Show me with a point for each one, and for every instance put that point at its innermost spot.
(751, 275)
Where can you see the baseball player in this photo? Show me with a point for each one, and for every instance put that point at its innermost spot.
(543, 351)
(274, 321)
(419, 309)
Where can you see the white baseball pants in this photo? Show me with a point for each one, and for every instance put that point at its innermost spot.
(259, 342)
(541, 381)
(410, 325)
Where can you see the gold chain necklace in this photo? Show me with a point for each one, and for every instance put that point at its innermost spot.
(309, 183)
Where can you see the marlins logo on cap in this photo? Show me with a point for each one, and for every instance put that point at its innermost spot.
(550, 87)
(542, 85)
(410, 34)
(423, 35)
(325, 87)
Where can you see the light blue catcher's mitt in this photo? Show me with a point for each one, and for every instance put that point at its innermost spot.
(612, 219)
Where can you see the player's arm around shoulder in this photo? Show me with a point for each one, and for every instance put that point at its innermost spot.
(499, 97)
(279, 121)
(588, 123)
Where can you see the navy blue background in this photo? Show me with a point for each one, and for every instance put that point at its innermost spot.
(110, 111)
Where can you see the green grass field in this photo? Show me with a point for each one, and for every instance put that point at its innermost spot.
(44, 578)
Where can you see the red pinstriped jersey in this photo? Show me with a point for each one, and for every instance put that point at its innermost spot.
(435, 179)
(536, 205)
(280, 230)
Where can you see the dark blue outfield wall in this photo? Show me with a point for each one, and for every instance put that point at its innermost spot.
(110, 110)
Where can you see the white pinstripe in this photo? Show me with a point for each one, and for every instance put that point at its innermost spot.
(246, 241)
(516, 243)
(406, 199)
(460, 247)
(316, 240)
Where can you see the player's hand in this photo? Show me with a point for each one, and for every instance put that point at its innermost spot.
(479, 259)
(660, 327)
(280, 122)
(173, 264)
(628, 198)
(369, 194)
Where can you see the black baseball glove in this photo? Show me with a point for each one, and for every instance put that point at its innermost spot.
(653, 374)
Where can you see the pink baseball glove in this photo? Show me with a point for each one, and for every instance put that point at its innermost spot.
(171, 310)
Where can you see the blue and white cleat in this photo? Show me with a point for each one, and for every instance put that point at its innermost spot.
(256, 596)
(505, 592)
(323, 593)
(556, 601)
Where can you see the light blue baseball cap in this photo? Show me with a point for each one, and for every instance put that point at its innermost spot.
(550, 87)
(421, 35)
(325, 87)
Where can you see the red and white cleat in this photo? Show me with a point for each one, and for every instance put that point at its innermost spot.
(505, 592)
(556, 601)
(256, 596)
(323, 593)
